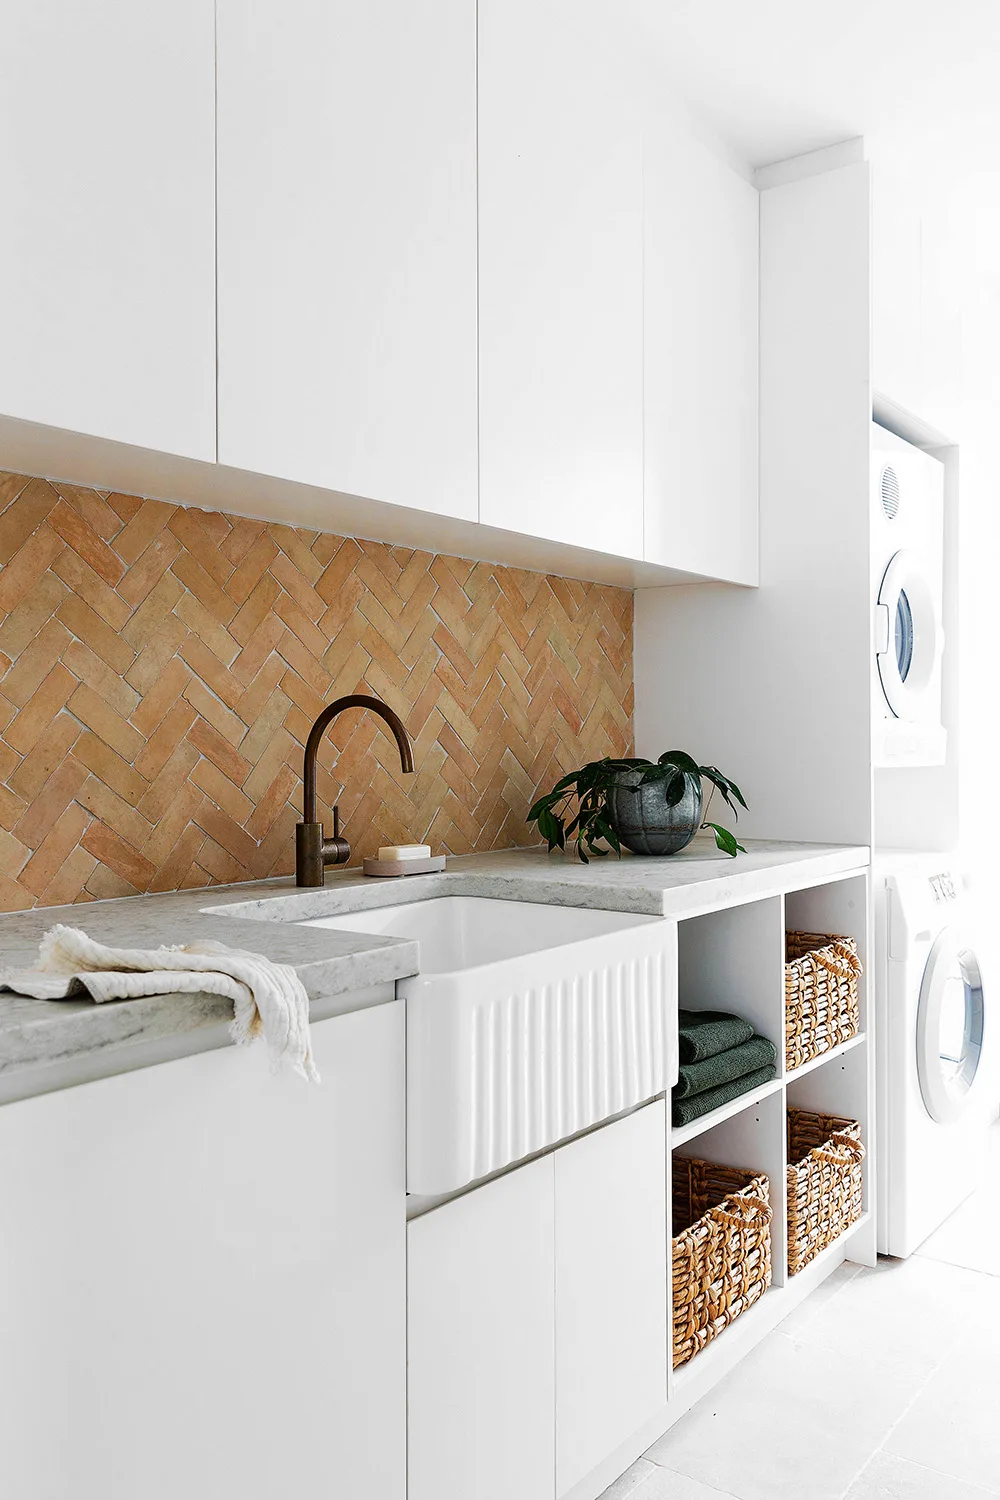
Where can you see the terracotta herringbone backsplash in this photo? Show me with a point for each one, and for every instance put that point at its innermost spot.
(161, 668)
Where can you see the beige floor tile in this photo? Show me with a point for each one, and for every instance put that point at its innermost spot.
(954, 1424)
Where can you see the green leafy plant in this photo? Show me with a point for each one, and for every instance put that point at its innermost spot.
(587, 790)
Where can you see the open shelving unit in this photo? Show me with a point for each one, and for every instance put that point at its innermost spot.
(733, 959)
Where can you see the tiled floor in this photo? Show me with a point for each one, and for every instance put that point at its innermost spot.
(884, 1385)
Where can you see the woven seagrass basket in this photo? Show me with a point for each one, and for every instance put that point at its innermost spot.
(822, 975)
(721, 1249)
(825, 1182)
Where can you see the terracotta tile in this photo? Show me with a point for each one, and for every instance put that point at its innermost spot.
(295, 546)
(145, 623)
(82, 579)
(105, 885)
(169, 782)
(220, 752)
(281, 790)
(110, 768)
(223, 792)
(170, 875)
(23, 512)
(38, 765)
(143, 576)
(200, 583)
(255, 609)
(211, 708)
(251, 570)
(126, 506)
(91, 709)
(221, 865)
(13, 897)
(20, 627)
(166, 688)
(114, 812)
(50, 802)
(88, 627)
(258, 649)
(14, 854)
(192, 528)
(252, 703)
(124, 861)
(41, 708)
(155, 657)
(92, 507)
(164, 740)
(54, 849)
(145, 523)
(85, 542)
(241, 538)
(300, 624)
(266, 724)
(204, 625)
(34, 663)
(227, 832)
(211, 671)
(70, 881)
(27, 566)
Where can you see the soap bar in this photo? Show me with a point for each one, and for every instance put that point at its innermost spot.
(405, 851)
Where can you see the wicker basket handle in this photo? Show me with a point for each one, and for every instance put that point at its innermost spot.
(745, 1210)
(851, 1151)
(839, 959)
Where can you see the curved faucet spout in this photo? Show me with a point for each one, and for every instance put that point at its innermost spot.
(312, 851)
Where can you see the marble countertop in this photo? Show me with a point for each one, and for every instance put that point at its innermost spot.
(52, 1044)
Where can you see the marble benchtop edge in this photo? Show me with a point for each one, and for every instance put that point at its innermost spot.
(265, 916)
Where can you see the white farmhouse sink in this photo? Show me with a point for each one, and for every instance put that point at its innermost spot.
(525, 1024)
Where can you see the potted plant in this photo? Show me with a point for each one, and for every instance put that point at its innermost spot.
(652, 807)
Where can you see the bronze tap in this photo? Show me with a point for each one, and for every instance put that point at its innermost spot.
(313, 852)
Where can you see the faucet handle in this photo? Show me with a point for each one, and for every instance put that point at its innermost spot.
(313, 852)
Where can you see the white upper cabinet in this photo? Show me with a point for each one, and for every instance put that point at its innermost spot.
(560, 274)
(700, 385)
(107, 257)
(347, 246)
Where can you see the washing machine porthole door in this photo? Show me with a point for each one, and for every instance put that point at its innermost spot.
(949, 1026)
(910, 656)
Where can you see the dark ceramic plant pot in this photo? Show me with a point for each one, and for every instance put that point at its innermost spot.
(643, 820)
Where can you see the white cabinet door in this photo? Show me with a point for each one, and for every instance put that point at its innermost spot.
(560, 272)
(107, 257)
(700, 393)
(611, 1289)
(347, 246)
(202, 1278)
(480, 1343)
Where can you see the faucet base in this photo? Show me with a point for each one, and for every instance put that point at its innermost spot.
(309, 863)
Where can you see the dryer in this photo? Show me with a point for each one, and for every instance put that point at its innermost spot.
(935, 1048)
(907, 535)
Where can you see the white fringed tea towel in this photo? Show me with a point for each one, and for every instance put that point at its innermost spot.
(269, 999)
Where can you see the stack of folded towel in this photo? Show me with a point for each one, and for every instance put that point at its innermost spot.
(720, 1058)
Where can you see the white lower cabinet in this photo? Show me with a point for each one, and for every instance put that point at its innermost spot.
(481, 1369)
(537, 1319)
(202, 1278)
(611, 1290)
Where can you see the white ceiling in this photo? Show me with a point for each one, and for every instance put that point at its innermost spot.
(775, 78)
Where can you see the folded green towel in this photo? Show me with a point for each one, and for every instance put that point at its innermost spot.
(703, 1033)
(695, 1078)
(685, 1110)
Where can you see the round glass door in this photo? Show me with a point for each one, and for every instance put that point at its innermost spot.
(949, 1026)
(908, 664)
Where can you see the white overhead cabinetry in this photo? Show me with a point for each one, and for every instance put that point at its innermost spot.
(700, 356)
(107, 257)
(560, 274)
(475, 291)
(347, 246)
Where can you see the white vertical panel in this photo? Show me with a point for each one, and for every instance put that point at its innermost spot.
(347, 246)
(774, 685)
(560, 257)
(700, 352)
(202, 1278)
(480, 1351)
(611, 1289)
(107, 257)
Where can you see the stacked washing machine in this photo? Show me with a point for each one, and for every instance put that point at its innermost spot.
(937, 1083)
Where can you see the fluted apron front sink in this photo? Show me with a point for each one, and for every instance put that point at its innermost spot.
(526, 1024)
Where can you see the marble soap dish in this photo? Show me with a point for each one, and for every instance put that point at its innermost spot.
(398, 860)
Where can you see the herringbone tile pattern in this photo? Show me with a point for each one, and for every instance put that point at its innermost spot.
(160, 668)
